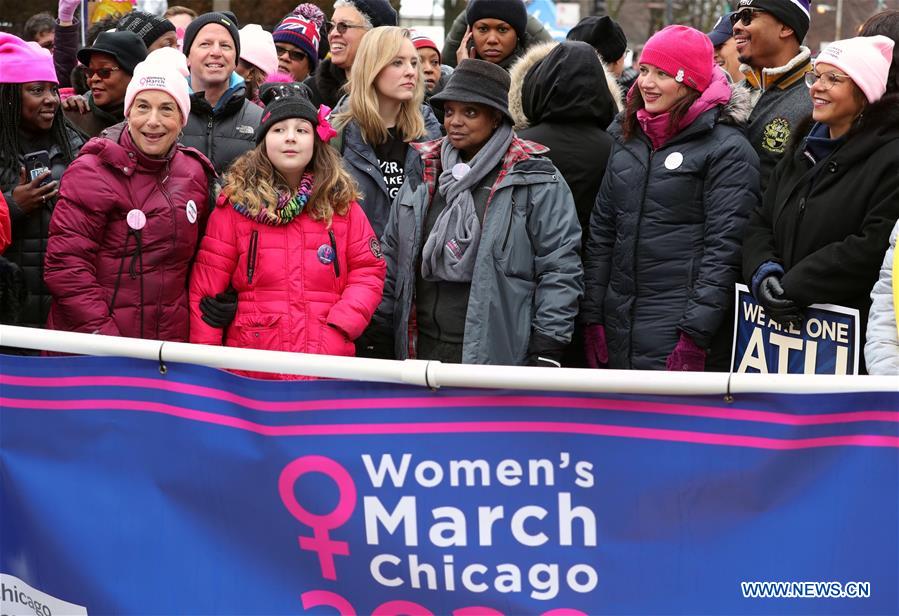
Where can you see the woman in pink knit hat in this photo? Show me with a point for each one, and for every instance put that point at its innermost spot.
(130, 211)
(820, 233)
(663, 251)
(36, 146)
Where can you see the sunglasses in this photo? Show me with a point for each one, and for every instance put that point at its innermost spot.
(744, 16)
(340, 26)
(104, 73)
(828, 80)
(295, 56)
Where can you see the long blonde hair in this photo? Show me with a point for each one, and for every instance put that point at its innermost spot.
(254, 182)
(377, 49)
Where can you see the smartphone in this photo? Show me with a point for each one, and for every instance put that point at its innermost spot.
(470, 44)
(37, 163)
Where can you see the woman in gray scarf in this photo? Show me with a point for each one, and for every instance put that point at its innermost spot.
(483, 238)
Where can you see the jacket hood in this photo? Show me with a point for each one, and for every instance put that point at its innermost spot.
(558, 82)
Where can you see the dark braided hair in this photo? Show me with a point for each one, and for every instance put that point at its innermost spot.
(11, 118)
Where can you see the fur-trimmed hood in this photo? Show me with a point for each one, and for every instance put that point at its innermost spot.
(567, 91)
(738, 109)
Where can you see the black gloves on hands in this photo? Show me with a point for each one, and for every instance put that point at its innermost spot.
(219, 311)
(782, 310)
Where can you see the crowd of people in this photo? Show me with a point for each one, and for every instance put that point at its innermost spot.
(344, 186)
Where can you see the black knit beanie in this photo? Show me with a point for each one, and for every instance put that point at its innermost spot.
(604, 34)
(513, 12)
(147, 26)
(379, 11)
(283, 101)
(792, 13)
(225, 19)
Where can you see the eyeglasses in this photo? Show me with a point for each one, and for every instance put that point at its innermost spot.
(828, 80)
(293, 54)
(104, 73)
(744, 16)
(340, 26)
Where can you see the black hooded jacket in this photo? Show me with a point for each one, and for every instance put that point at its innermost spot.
(568, 105)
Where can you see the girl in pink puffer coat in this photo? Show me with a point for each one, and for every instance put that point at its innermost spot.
(289, 237)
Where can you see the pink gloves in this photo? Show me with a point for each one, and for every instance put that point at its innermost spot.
(686, 356)
(595, 346)
(67, 9)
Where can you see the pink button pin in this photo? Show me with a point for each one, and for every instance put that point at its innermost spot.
(137, 220)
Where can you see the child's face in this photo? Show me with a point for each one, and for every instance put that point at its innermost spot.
(289, 145)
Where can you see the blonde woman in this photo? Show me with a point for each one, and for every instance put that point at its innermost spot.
(289, 237)
(381, 116)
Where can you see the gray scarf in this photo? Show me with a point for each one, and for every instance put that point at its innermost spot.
(451, 248)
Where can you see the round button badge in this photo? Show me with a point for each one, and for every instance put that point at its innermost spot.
(191, 211)
(460, 170)
(136, 219)
(674, 160)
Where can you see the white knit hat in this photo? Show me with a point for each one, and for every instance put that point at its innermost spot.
(165, 69)
(866, 59)
(258, 48)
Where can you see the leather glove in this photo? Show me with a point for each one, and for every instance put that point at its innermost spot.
(687, 355)
(219, 311)
(777, 306)
(595, 346)
(544, 351)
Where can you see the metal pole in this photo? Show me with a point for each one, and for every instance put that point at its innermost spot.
(839, 20)
(669, 12)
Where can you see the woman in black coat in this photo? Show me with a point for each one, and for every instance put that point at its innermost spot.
(820, 232)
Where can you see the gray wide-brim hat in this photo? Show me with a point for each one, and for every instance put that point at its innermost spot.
(477, 81)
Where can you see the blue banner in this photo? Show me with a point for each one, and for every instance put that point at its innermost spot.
(826, 342)
(125, 491)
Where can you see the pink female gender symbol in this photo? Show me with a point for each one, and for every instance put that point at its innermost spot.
(320, 542)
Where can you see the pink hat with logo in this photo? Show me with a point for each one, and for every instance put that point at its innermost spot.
(22, 62)
(165, 69)
(258, 48)
(684, 53)
(866, 59)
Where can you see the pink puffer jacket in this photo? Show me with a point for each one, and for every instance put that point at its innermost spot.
(293, 295)
(104, 277)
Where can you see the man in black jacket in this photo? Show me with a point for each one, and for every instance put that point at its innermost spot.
(222, 122)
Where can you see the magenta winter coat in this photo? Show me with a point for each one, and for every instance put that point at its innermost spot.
(291, 294)
(107, 278)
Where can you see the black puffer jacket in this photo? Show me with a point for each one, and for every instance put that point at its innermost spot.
(827, 224)
(664, 247)
(225, 133)
(30, 230)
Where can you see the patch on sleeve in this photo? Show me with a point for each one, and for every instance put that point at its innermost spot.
(375, 246)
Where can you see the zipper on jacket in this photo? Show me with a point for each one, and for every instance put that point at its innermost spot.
(251, 257)
(509, 226)
(172, 211)
(630, 337)
(334, 248)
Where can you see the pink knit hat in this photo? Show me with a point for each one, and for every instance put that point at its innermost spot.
(165, 69)
(684, 53)
(22, 62)
(866, 59)
(258, 48)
